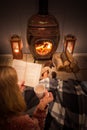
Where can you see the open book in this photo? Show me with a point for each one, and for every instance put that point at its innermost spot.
(28, 72)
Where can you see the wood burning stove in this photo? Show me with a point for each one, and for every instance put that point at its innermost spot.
(43, 33)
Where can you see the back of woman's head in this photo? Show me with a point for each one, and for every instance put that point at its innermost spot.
(11, 99)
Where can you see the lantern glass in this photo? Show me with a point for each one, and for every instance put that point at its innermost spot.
(69, 43)
(16, 46)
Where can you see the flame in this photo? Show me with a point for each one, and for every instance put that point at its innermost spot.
(43, 48)
(16, 50)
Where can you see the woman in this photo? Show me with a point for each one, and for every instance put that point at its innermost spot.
(13, 107)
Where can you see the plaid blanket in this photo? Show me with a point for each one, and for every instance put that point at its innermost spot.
(69, 109)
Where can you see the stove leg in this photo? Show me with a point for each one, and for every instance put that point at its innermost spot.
(34, 60)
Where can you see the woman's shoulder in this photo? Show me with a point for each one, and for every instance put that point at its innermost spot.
(23, 119)
(22, 122)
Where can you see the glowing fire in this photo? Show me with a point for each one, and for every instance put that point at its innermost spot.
(43, 48)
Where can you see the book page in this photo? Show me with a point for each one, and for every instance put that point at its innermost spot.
(33, 71)
(19, 66)
(28, 72)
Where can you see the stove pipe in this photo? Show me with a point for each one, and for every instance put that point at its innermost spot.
(43, 7)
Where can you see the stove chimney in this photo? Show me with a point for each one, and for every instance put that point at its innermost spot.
(43, 7)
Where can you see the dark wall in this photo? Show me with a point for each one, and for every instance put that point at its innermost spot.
(71, 15)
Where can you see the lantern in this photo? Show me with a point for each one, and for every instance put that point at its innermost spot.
(69, 43)
(16, 45)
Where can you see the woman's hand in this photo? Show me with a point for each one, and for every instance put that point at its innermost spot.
(48, 97)
(21, 86)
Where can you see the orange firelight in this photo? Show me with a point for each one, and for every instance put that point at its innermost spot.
(43, 48)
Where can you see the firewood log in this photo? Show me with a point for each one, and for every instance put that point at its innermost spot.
(57, 61)
(63, 57)
(69, 56)
(74, 67)
(68, 69)
(66, 63)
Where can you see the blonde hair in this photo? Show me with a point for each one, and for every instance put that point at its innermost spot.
(11, 99)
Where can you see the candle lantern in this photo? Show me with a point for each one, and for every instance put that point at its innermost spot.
(69, 43)
(16, 45)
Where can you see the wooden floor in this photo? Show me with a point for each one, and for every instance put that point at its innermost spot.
(81, 59)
